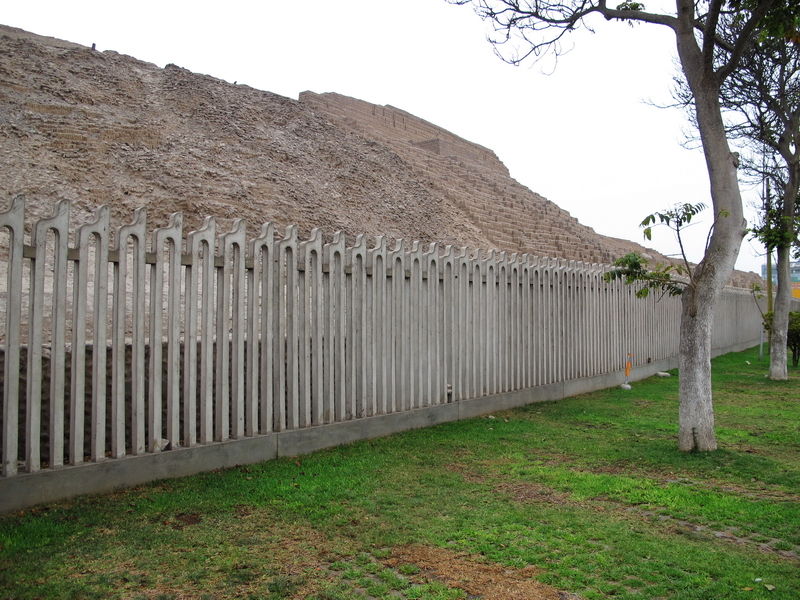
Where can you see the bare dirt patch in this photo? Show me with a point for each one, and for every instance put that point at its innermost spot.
(642, 403)
(532, 492)
(468, 474)
(478, 579)
(183, 519)
(554, 458)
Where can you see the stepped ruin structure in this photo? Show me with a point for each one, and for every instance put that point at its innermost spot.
(474, 179)
(104, 128)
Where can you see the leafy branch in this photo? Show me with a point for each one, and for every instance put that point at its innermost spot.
(755, 292)
(634, 267)
(676, 218)
(776, 229)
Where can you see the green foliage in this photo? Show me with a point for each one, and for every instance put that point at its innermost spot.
(776, 229)
(633, 268)
(630, 5)
(675, 218)
(782, 21)
(792, 335)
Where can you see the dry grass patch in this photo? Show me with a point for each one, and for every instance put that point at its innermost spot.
(523, 493)
(476, 578)
(466, 472)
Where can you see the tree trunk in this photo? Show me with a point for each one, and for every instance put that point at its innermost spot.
(696, 415)
(780, 318)
(783, 298)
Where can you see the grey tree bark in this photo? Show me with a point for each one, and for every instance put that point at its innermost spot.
(778, 351)
(696, 409)
(696, 413)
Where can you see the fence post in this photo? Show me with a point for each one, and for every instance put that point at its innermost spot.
(286, 362)
(99, 231)
(376, 258)
(356, 328)
(230, 337)
(200, 247)
(515, 353)
(525, 320)
(396, 343)
(478, 325)
(416, 321)
(171, 235)
(312, 301)
(59, 224)
(464, 326)
(136, 232)
(433, 390)
(333, 257)
(502, 322)
(14, 220)
(490, 319)
(260, 335)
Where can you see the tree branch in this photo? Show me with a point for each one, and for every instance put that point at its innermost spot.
(745, 38)
(635, 15)
(710, 31)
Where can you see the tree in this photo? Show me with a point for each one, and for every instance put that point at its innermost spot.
(778, 231)
(711, 38)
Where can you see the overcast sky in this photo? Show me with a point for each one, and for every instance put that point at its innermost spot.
(586, 136)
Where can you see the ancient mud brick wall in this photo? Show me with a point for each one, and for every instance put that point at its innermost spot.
(473, 178)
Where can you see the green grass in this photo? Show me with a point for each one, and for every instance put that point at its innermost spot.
(591, 491)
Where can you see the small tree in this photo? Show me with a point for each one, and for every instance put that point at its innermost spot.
(669, 279)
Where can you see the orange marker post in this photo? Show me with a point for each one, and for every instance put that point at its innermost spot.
(625, 385)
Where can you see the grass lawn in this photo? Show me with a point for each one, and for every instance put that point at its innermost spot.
(587, 497)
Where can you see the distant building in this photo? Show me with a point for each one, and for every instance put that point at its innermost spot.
(794, 270)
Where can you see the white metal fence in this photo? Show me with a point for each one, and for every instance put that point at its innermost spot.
(155, 342)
